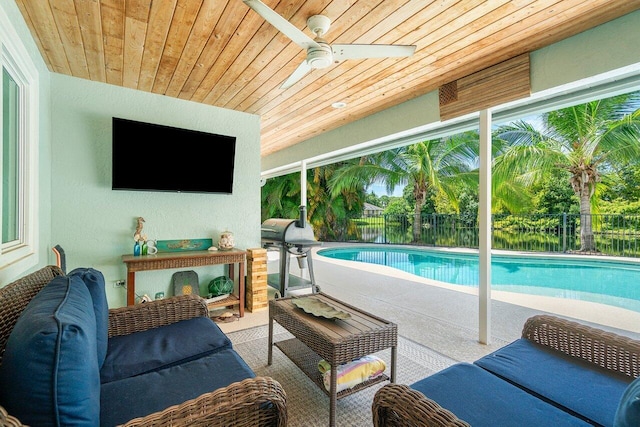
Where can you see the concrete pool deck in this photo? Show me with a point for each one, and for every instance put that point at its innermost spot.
(441, 316)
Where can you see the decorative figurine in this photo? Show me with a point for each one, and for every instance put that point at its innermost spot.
(152, 249)
(140, 247)
(138, 236)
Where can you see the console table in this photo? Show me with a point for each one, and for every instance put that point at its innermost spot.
(166, 260)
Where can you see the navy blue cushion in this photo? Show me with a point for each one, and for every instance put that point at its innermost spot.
(153, 349)
(94, 280)
(484, 400)
(49, 374)
(577, 386)
(628, 413)
(145, 394)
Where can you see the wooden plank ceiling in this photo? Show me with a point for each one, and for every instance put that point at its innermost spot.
(222, 53)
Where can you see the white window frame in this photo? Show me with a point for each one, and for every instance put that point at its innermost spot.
(18, 256)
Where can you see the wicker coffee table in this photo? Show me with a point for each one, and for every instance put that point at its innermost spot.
(337, 341)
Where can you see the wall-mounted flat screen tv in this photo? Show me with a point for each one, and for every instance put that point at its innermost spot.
(153, 157)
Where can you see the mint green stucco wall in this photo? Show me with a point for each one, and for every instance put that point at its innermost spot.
(95, 225)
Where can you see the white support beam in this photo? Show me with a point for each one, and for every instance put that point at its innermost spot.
(484, 219)
(303, 183)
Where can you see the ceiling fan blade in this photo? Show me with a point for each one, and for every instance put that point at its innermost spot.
(362, 51)
(284, 26)
(299, 73)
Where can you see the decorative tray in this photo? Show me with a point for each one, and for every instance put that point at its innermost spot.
(184, 245)
(319, 308)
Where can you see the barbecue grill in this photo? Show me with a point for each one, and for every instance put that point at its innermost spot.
(291, 237)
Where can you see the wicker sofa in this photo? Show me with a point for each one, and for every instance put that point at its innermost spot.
(158, 363)
(559, 373)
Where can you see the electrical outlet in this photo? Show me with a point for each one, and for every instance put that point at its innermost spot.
(118, 284)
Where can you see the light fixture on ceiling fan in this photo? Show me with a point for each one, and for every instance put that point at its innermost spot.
(321, 54)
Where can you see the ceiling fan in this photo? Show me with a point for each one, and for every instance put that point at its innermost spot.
(321, 54)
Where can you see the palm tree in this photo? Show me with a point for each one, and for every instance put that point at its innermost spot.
(328, 212)
(281, 197)
(583, 140)
(429, 165)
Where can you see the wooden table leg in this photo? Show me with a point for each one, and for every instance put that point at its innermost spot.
(231, 268)
(394, 354)
(241, 286)
(131, 287)
(333, 396)
(270, 353)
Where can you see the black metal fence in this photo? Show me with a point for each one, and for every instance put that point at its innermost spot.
(616, 235)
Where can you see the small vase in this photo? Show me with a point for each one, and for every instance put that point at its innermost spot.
(136, 249)
(144, 248)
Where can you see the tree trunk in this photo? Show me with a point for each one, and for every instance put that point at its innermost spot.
(587, 240)
(583, 181)
(417, 219)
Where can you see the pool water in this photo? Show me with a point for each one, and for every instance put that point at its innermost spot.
(605, 282)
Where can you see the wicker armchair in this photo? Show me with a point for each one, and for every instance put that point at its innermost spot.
(399, 405)
(259, 401)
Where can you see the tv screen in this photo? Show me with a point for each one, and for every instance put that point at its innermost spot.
(152, 157)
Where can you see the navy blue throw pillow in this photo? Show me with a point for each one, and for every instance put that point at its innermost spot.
(49, 374)
(94, 281)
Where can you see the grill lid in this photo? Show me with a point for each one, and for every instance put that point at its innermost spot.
(275, 229)
(290, 232)
(287, 231)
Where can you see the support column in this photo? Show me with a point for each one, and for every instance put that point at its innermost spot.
(303, 183)
(484, 219)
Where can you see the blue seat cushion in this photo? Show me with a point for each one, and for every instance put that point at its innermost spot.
(484, 400)
(577, 386)
(49, 374)
(628, 413)
(157, 348)
(94, 281)
(155, 391)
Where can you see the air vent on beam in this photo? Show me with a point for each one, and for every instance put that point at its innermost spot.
(448, 93)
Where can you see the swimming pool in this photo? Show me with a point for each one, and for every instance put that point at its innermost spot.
(606, 282)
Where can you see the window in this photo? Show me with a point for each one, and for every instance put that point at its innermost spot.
(10, 160)
(18, 155)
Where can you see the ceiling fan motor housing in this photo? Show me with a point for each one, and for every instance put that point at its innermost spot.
(321, 56)
(318, 24)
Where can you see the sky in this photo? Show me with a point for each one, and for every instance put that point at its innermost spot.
(380, 190)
